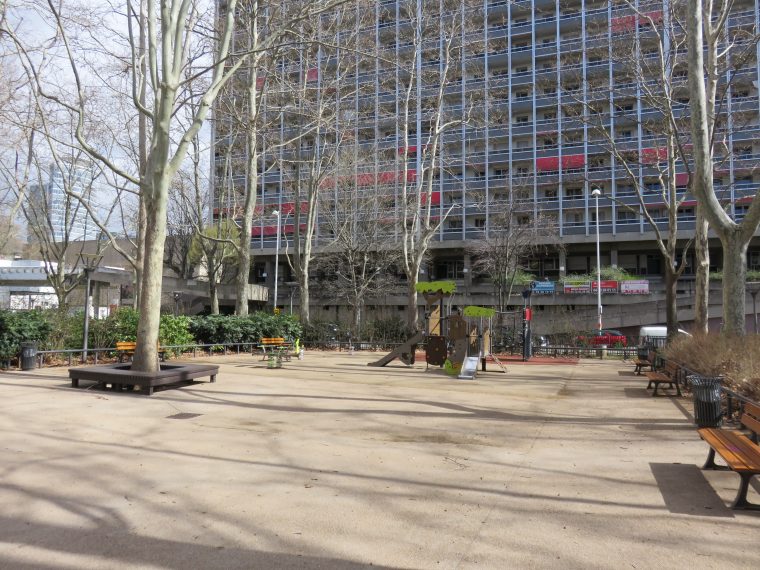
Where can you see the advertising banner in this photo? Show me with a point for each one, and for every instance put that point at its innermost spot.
(639, 287)
(577, 287)
(543, 287)
(607, 286)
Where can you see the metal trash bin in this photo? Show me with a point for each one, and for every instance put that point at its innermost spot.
(28, 356)
(706, 392)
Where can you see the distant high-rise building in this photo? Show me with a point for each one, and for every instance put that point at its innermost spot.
(56, 211)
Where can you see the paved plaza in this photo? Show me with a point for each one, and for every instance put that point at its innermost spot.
(327, 463)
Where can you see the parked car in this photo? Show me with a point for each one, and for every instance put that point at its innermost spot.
(608, 337)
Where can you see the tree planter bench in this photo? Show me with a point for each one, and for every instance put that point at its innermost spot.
(120, 376)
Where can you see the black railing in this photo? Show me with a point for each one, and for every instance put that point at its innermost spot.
(94, 354)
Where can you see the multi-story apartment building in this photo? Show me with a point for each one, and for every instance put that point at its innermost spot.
(64, 217)
(547, 99)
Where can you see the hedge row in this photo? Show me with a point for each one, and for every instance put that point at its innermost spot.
(54, 330)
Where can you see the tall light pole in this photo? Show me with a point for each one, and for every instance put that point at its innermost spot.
(276, 257)
(89, 262)
(596, 193)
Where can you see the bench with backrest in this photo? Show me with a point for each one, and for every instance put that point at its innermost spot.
(127, 348)
(741, 453)
(645, 358)
(670, 374)
(275, 346)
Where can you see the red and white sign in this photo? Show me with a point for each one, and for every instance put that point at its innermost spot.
(640, 287)
(607, 286)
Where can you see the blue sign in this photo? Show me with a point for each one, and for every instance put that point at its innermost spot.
(543, 287)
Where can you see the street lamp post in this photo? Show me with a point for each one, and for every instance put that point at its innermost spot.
(596, 192)
(89, 262)
(754, 289)
(276, 257)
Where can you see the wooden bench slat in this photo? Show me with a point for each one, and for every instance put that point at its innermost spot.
(736, 449)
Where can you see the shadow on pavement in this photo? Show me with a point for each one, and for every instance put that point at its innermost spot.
(686, 491)
(116, 545)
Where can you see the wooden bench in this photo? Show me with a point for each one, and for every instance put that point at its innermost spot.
(277, 346)
(670, 374)
(127, 348)
(741, 453)
(642, 361)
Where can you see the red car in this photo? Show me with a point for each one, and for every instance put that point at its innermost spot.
(607, 337)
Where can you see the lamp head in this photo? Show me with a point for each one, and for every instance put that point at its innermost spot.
(596, 192)
(276, 213)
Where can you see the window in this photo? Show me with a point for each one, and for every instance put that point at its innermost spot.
(626, 190)
(455, 224)
(625, 135)
(450, 270)
(550, 116)
(521, 95)
(652, 188)
(573, 193)
(522, 119)
(626, 216)
(480, 222)
(523, 220)
(754, 260)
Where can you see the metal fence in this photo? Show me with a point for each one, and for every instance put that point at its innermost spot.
(95, 354)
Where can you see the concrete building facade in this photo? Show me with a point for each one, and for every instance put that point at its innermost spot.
(549, 105)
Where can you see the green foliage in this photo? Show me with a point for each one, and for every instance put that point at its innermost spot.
(223, 251)
(473, 311)
(447, 287)
(21, 326)
(752, 275)
(219, 329)
(523, 278)
(608, 274)
(391, 329)
(175, 331)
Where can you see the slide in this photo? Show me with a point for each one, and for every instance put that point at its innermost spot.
(405, 352)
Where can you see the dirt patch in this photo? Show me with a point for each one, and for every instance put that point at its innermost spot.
(439, 438)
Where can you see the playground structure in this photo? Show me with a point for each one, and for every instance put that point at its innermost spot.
(456, 342)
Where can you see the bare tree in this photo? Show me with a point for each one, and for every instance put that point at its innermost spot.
(357, 263)
(161, 43)
(263, 30)
(515, 235)
(708, 47)
(433, 62)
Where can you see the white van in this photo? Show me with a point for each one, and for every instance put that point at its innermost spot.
(656, 334)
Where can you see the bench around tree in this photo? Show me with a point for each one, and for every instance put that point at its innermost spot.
(741, 453)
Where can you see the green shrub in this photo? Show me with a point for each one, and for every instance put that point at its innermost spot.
(220, 329)
(21, 326)
(609, 273)
(390, 329)
(175, 331)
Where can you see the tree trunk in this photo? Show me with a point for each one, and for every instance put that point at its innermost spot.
(702, 293)
(357, 319)
(146, 353)
(244, 264)
(671, 307)
(413, 321)
(303, 291)
(734, 278)
(213, 293)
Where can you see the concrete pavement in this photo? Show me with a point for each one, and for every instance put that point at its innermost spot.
(327, 463)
